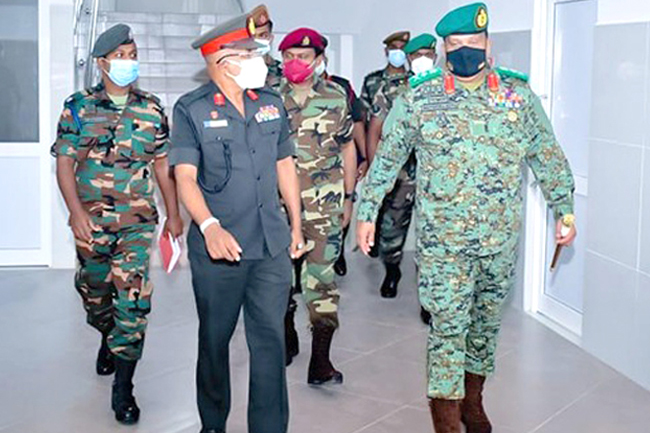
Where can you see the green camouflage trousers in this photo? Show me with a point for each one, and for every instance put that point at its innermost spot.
(113, 281)
(319, 289)
(465, 296)
(396, 214)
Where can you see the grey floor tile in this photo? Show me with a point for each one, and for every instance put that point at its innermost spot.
(49, 385)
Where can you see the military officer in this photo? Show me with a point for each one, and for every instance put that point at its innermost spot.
(397, 209)
(111, 139)
(396, 73)
(326, 162)
(264, 35)
(472, 128)
(394, 70)
(357, 112)
(232, 153)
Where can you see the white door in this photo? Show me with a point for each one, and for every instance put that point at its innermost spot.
(570, 48)
(24, 134)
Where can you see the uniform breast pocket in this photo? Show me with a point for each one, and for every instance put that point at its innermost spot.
(215, 167)
(270, 137)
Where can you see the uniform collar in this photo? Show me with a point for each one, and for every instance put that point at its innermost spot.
(100, 93)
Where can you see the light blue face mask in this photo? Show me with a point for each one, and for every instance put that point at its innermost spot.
(397, 58)
(124, 72)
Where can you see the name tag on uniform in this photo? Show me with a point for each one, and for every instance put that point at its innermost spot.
(215, 123)
(267, 114)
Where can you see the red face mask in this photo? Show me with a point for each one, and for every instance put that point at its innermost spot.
(297, 71)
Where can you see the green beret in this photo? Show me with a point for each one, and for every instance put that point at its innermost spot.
(112, 38)
(425, 41)
(465, 20)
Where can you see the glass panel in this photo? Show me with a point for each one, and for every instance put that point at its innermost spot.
(19, 71)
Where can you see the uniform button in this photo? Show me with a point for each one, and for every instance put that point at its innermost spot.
(259, 178)
(261, 205)
(253, 151)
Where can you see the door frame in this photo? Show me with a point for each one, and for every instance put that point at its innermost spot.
(536, 302)
(41, 256)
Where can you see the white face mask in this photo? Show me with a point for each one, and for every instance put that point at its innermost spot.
(253, 73)
(320, 69)
(267, 45)
(421, 65)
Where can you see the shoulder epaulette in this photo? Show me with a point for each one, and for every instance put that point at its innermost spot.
(424, 77)
(194, 95)
(511, 73)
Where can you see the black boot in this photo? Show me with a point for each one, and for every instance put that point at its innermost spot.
(389, 286)
(123, 403)
(321, 370)
(292, 345)
(425, 316)
(340, 266)
(105, 365)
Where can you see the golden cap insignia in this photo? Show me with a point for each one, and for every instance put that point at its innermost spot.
(306, 41)
(251, 27)
(482, 18)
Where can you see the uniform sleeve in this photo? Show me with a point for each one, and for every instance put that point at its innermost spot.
(286, 146)
(68, 135)
(162, 136)
(344, 134)
(185, 148)
(547, 160)
(400, 134)
(380, 107)
(357, 110)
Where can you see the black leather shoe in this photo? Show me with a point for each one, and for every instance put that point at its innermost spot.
(425, 316)
(123, 402)
(105, 365)
(389, 286)
(340, 266)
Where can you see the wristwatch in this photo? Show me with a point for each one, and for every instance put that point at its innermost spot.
(352, 196)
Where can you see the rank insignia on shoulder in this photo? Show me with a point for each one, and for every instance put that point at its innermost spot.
(422, 78)
(267, 114)
(507, 98)
(511, 73)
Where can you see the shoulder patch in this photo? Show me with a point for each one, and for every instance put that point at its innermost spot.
(511, 73)
(420, 79)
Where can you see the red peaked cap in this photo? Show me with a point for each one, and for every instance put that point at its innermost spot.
(303, 38)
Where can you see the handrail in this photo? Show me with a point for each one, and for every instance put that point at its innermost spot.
(78, 7)
(88, 77)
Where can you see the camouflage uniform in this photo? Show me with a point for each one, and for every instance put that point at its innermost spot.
(321, 126)
(371, 85)
(397, 210)
(114, 150)
(470, 147)
(274, 78)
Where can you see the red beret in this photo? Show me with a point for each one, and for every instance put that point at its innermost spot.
(303, 38)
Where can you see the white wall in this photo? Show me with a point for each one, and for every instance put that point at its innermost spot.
(623, 11)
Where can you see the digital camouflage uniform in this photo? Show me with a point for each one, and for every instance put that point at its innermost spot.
(114, 150)
(397, 210)
(471, 147)
(320, 126)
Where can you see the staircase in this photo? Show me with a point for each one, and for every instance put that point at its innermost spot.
(169, 67)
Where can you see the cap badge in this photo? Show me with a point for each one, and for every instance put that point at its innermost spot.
(306, 41)
(482, 18)
(251, 26)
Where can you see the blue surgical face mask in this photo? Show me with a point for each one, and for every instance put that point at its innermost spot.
(124, 72)
(397, 58)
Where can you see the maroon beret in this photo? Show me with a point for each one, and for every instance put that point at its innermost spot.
(303, 38)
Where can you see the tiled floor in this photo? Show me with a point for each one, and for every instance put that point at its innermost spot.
(544, 384)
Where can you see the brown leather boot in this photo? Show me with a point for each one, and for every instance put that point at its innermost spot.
(445, 415)
(472, 413)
